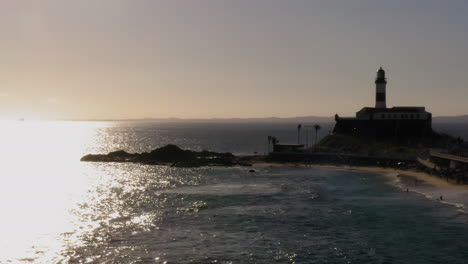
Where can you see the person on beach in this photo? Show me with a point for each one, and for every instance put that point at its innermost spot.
(441, 198)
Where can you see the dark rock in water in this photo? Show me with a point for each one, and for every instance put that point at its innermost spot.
(116, 156)
(252, 171)
(170, 155)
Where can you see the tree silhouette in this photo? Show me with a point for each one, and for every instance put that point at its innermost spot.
(269, 142)
(274, 141)
(299, 127)
(317, 128)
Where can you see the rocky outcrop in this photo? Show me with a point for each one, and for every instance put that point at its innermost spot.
(170, 155)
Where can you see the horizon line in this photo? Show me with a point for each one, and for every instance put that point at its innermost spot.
(176, 119)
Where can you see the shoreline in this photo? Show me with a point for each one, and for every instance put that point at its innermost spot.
(421, 176)
(429, 186)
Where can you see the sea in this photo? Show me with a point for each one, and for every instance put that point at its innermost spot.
(56, 209)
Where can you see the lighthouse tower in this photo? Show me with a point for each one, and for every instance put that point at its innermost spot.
(380, 85)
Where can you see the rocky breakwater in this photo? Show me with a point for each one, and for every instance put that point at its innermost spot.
(171, 155)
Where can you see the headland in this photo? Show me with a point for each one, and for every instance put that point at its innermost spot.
(170, 155)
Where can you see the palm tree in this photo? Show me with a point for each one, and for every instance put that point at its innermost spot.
(274, 141)
(317, 128)
(299, 133)
(269, 142)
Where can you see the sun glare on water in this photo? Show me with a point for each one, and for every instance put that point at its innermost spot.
(41, 178)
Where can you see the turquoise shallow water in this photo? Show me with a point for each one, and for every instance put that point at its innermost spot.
(276, 215)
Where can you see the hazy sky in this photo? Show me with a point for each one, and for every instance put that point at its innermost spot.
(237, 58)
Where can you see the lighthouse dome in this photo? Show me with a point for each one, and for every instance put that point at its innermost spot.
(380, 73)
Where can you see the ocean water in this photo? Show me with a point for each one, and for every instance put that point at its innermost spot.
(56, 209)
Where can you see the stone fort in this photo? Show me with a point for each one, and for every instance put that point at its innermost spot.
(379, 122)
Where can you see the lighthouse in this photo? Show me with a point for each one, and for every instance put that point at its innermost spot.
(398, 123)
(380, 86)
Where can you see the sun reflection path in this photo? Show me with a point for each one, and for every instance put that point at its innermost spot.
(41, 179)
